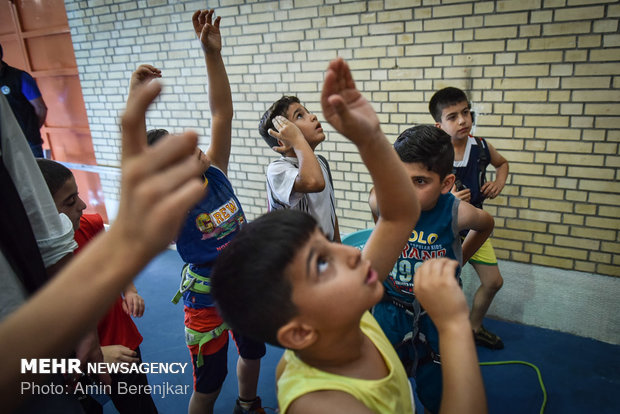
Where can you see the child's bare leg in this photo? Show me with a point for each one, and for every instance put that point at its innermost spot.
(490, 282)
(201, 403)
(247, 377)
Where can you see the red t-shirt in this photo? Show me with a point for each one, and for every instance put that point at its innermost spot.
(116, 327)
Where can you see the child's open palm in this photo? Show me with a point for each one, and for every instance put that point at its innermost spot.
(287, 134)
(207, 30)
(343, 105)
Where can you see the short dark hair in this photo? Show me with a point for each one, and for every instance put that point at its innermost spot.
(428, 145)
(251, 289)
(446, 97)
(54, 173)
(279, 107)
(154, 135)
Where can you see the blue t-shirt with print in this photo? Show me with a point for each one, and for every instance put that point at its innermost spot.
(210, 225)
(435, 235)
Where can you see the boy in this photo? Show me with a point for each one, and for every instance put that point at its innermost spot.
(300, 179)
(281, 280)
(427, 154)
(209, 226)
(452, 112)
(118, 335)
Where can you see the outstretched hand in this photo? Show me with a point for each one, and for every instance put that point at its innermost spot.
(143, 74)
(207, 30)
(343, 105)
(159, 183)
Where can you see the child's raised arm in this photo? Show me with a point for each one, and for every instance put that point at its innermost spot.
(220, 99)
(351, 114)
(140, 77)
(439, 293)
(159, 184)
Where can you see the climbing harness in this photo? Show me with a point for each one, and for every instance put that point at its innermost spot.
(192, 281)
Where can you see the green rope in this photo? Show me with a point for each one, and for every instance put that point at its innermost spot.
(540, 381)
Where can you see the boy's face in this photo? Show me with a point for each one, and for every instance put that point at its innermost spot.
(456, 120)
(308, 124)
(428, 184)
(69, 202)
(332, 284)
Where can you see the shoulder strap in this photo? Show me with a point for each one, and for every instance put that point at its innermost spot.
(483, 150)
(483, 161)
(329, 173)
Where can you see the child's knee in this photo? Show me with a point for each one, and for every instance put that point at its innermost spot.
(496, 283)
(491, 279)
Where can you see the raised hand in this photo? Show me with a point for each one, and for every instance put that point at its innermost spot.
(159, 183)
(207, 30)
(142, 75)
(287, 133)
(343, 105)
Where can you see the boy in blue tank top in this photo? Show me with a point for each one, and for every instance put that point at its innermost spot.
(208, 228)
(452, 113)
(427, 154)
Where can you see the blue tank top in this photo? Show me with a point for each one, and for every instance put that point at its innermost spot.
(209, 226)
(435, 235)
(468, 169)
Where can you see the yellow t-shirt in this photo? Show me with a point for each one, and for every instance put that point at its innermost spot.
(391, 394)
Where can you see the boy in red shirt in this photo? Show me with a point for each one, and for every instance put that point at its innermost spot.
(119, 337)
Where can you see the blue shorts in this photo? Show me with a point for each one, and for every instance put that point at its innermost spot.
(210, 376)
(396, 323)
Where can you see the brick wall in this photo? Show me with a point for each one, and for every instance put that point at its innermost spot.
(543, 76)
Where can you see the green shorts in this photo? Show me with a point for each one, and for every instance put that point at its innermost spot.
(485, 254)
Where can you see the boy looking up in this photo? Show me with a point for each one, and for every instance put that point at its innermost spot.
(300, 179)
(426, 154)
(281, 280)
(209, 226)
(452, 112)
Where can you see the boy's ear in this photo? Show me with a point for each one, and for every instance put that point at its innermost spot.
(296, 335)
(438, 125)
(447, 183)
(280, 145)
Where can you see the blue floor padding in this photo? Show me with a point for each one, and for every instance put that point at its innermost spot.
(581, 375)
